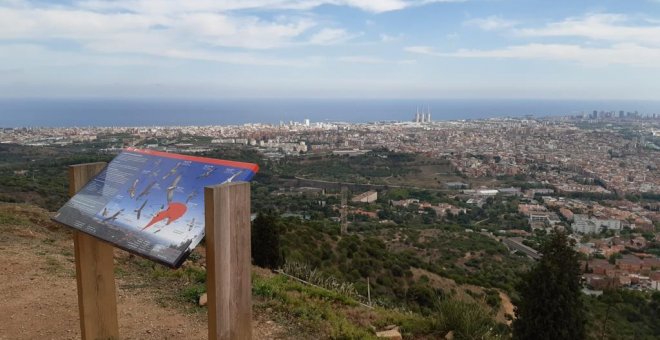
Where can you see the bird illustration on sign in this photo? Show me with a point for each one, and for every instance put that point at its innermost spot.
(173, 212)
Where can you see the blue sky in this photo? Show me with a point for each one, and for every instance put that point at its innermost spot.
(331, 49)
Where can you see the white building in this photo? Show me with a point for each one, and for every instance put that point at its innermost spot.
(585, 225)
(366, 197)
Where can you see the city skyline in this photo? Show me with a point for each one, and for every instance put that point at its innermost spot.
(330, 49)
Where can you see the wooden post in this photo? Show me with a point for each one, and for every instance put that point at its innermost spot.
(228, 261)
(368, 291)
(97, 300)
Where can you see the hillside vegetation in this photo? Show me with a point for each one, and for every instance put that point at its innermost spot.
(429, 275)
(286, 307)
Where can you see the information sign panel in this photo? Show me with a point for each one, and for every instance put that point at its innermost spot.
(151, 203)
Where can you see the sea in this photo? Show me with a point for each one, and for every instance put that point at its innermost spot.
(83, 112)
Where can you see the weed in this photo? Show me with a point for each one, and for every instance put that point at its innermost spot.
(193, 292)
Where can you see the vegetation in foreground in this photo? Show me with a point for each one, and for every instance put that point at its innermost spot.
(411, 290)
(550, 305)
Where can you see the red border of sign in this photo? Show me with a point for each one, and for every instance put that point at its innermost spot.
(250, 166)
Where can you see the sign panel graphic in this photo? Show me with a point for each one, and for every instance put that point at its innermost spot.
(151, 203)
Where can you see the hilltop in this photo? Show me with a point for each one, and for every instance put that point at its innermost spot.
(155, 302)
(38, 289)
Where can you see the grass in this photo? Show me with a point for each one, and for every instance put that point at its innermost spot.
(332, 311)
(172, 288)
(467, 320)
(315, 308)
(341, 317)
(53, 265)
(193, 292)
(7, 218)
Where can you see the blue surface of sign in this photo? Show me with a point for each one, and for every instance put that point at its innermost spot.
(151, 203)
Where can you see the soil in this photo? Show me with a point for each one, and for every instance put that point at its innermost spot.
(504, 313)
(507, 311)
(39, 300)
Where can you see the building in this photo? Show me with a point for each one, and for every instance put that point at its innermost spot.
(369, 214)
(456, 185)
(629, 263)
(442, 208)
(422, 117)
(366, 197)
(566, 213)
(487, 192)
(532, 192)
(537, 219)
(650, 264)
(510, 191)
(586, 225)
(655, 280)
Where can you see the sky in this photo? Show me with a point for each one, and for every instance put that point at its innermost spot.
(331, 49)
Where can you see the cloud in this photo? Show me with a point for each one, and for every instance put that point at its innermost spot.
(205, 29)
(386, 38)
(245, 32)
(380, 6)
(626, 54)
(170, 6)
(420, 50)
(230, 57)
(377, 6)
(227, 31)
(193, 36)
(609, 39)
(601, 27)
(330, 36)
(113, 28)
(490, 23)
(361, 59)
(33, 55)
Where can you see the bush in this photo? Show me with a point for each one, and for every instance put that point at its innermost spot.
(266, 242)
(467, 320)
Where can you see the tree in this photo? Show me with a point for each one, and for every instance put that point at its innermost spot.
(551, 305)
(266, 241)
(614, 257)
(422, 296)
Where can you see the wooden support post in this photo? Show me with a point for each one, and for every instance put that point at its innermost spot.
(97, 300)
(228, 261)
(368, 291)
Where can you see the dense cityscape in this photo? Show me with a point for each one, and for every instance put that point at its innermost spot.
(607, 155)
(592, 174)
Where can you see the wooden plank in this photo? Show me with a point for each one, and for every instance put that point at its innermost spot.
(80, 174)
(97, 300)
(228, 261)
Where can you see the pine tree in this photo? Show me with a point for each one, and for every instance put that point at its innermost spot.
(550, 304)
(266, 242)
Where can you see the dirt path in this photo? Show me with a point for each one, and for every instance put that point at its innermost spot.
(506, 312)
(39, 301)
